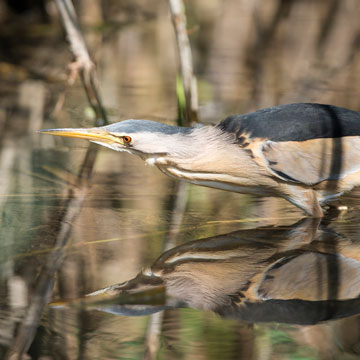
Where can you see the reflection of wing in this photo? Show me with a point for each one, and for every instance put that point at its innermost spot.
(313, 161)
(311, 276)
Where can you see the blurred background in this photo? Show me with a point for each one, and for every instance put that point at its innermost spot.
(247, 55)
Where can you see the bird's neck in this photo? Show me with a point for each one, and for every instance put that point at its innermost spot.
(210, 158)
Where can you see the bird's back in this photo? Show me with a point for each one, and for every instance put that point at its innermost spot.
(295, 122)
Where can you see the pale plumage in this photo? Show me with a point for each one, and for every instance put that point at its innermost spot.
(305, 153)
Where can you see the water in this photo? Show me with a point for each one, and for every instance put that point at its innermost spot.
(230, 275)
(123, 227)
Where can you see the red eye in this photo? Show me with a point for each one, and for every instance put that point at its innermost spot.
(127, 139)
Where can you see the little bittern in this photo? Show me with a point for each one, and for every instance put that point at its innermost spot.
(305, 153)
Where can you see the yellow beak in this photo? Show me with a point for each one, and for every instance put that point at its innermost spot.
(91, 134)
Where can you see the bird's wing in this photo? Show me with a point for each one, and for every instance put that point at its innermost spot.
(312, 161)
(294, 122)
(305, 143)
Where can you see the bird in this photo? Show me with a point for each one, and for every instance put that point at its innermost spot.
(306, 153)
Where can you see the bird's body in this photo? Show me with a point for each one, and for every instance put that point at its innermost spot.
(305, 153)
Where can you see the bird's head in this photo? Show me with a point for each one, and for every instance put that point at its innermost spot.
(140, 137)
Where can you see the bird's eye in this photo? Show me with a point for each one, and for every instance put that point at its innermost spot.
(127, 139)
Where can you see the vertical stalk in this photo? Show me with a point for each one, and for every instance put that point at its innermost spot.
(75, 194)
(177, 10)
(178, 17)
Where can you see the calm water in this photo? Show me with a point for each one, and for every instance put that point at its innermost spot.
(269, 286)
(213, 275)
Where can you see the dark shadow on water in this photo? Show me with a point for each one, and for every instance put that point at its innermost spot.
(335, 175)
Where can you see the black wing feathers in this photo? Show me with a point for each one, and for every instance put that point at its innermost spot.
(295, 122)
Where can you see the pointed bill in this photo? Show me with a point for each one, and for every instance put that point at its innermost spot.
(92, 134)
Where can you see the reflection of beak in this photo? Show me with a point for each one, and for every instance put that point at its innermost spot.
(151, 295)
(92, 134)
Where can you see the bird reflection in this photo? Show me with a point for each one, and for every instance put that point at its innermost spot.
(283, 274)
